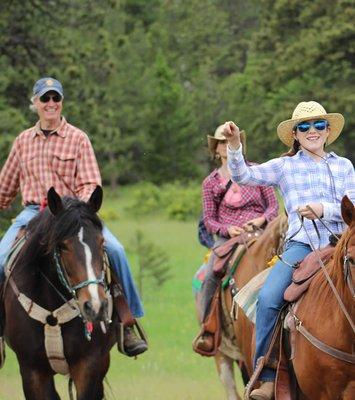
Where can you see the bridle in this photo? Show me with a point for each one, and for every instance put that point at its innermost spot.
(64, 279)
(348, 264)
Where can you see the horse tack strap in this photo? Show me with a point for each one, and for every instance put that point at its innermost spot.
(53, 342)
(53, 339)
(331, 351)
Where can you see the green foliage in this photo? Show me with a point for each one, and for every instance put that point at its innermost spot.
(148, 80)
(153, 263)
(176, 200)
(107, 215)
(182, 202)
(7, 215)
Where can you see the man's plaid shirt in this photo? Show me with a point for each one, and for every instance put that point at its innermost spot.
(301, 181)
(255, 201)
(64, 159)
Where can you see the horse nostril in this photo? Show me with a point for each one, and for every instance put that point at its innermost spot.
(103, 310)
(88, 307)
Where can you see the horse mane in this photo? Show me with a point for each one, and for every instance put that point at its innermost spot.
(46, 231)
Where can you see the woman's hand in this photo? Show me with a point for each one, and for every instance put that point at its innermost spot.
(235, 231)
(232, 134)
(256, 222)
(307, 213)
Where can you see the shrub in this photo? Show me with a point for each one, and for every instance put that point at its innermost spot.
(178, 201)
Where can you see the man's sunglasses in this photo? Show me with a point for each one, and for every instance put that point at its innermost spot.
(306, 126)
(56, 97)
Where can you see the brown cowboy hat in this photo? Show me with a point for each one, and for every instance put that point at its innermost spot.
(218, 136)
(307, 110)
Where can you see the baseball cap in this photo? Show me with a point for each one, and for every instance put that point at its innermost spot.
(45, 85)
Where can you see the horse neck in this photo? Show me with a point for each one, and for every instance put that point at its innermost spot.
(335, 270)
(33, 277)
(260, 252)
(267, 245)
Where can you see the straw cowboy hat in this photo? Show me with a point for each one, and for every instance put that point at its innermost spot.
(218, 136)
(307, 110)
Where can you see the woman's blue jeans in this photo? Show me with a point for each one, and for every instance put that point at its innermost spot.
(271, 300)
(114, 248)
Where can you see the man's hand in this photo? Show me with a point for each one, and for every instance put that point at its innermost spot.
(307, 213)
(232, 134)
(256, 222)
(235, 231)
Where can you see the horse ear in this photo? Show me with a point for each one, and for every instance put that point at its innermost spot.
(95, 200)
(347, 210)
(55, 203)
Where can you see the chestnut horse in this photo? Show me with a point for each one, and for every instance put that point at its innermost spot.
(61, 261)
(328, 315)
(254, 260)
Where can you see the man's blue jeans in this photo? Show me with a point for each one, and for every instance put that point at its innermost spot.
(271, 299)
(115, 251)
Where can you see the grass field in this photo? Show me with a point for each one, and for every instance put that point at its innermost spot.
(170, 370)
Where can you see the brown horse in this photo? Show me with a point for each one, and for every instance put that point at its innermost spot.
(322, 376)
(60, 267)
(255, 260)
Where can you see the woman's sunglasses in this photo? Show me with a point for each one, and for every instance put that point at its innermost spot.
(46, 97)
(306, 126)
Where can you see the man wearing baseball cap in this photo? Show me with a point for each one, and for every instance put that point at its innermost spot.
(54, 153)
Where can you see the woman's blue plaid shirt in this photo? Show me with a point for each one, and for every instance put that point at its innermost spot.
(301, 181)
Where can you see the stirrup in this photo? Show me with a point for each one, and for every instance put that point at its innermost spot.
(2, 351)
(120, 335)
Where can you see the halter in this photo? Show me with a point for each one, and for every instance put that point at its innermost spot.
(63, 277)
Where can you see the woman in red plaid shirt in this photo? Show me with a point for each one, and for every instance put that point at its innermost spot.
(228, 211)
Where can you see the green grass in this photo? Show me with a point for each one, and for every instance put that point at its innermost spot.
(170, 370)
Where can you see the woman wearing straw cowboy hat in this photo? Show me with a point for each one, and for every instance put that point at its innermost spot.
(229, 210)
(307, 176)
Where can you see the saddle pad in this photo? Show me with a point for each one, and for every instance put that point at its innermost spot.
(198, 278)
(247, 296)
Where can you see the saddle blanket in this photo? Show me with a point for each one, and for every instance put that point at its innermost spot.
(247, 296)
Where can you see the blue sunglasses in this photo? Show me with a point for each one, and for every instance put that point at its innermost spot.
(305, 126)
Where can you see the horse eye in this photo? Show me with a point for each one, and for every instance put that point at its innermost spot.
(62, 246)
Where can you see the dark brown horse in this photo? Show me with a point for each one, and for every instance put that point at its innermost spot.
(61, 261)
(255, 260)
(330, 320)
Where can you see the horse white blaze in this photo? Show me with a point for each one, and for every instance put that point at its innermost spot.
(93, 288)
